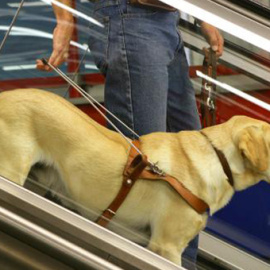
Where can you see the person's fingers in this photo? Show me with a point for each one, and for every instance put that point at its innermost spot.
(216, 43)
(213, 42)
(220, 44)
(206, 52)
(41, 66)
(61, 39)
(213, 37)
(58, 57)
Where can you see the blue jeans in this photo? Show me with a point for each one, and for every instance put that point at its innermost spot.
(141, 53)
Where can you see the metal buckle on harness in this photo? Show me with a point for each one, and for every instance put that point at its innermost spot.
(155, 169)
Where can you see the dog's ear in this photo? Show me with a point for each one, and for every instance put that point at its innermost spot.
(253, 146)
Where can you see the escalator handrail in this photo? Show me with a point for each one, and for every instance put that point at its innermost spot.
(29, 228)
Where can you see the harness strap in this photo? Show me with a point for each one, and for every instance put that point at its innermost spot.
(135, 169)
(131, 173)
(196, 203)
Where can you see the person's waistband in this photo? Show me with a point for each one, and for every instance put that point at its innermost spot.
(151, 5)
(108, 3)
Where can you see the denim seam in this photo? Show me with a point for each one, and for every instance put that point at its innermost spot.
(138, 15)
(129, 95)
(107, 40)
(178, 47)
(105, 4)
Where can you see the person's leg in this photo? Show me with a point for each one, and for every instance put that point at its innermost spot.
(137, 77)
(183, 115)
(182, 109)
(137, 49)
(108, 49)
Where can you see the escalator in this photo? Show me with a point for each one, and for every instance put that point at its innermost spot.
(37, 232)
(60, 237)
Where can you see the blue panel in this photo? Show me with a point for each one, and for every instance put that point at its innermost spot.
(31, 39)
(246, 220)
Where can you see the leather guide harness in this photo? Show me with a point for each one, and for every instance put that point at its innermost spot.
(136, 169)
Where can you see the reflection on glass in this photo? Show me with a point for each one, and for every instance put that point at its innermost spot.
(245, 222)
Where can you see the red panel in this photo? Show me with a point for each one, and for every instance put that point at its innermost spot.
(32, 83)
(230, 105)
(93, 113)
(227, 104)
(93, 79)
(43, 82)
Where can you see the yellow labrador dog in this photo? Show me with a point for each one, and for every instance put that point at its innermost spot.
(40, 127)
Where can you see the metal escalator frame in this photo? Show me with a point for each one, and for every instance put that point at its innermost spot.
(230, 57)
(244, 10)
(22, 207)
(227, 255)
(26, 227)
(226, 19)
(62, 246)
(14, 254)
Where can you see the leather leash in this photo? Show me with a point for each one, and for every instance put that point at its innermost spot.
(135, 169)
(208, 91)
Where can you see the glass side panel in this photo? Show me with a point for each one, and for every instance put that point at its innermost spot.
(128, 49)
(34, 30)
(254, 5)
(247, 49)
(238, 222)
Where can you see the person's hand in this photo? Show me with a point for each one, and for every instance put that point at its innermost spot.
(213, 37)
(61, 39)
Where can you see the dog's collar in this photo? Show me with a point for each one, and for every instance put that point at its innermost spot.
(224, 163)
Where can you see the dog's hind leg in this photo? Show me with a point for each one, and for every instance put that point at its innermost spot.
(15, 171)
(16, 161)
(18, 148)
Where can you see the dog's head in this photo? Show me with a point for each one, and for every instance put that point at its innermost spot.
(252, 139)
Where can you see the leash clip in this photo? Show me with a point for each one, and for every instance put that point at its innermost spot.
(155, 169)
(210, 104)
(208, 87)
